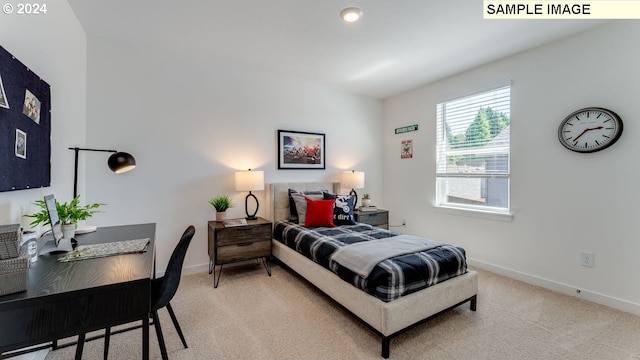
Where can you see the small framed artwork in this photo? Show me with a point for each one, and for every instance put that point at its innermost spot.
(300, 150)
(21, 144)
(406, 149)
(3, 96)
(31, 106)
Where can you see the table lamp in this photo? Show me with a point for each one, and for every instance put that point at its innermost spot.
(354, 180)
(250, 181)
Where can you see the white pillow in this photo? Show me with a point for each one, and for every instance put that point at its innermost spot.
(312, 194)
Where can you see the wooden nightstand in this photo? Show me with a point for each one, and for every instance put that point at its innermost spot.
(239, 243)
(378, 217)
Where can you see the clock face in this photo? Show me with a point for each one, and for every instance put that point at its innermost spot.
(590, 129)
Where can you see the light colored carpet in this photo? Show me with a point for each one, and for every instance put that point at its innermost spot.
(253, 316)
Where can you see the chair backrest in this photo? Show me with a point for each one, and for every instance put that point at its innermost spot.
(165, 288)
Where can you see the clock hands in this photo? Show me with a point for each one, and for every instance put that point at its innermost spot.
(588, 129)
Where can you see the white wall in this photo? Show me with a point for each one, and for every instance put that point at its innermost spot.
(54, 47)
(563, 202)
(191, 125)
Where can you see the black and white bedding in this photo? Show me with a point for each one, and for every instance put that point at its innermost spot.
(391, 278)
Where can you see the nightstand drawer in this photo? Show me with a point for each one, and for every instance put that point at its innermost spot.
(243, 234)
(375, 218)
(244, 251)
(379, 217)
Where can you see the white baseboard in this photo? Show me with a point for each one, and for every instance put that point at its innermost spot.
(620, 304)
(194, 269)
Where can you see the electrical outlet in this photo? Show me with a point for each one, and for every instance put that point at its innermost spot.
(586, 259)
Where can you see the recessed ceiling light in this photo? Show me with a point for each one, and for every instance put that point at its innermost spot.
(351, 14)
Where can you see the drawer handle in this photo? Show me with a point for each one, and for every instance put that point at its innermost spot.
(245, 244)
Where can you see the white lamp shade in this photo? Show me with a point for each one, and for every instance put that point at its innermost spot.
(353, 179)
(249, 180)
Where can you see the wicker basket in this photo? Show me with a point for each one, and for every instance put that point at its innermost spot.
(13, 275)
(9, 238)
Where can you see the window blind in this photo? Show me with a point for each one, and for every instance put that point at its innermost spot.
(473, 135)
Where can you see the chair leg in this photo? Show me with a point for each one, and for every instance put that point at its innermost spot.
(80, 346)
(163, 348)
(176, 325)
(107, 338)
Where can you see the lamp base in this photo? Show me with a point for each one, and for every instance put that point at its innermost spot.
(355, 197)
(246, 207)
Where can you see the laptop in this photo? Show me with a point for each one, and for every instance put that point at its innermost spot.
(58, 243)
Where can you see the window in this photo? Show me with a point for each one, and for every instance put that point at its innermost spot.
(472, 168)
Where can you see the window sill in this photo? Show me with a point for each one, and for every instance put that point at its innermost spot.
(489, 215)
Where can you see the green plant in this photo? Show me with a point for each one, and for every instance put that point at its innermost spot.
(366, 196)
(69, 213)
(221, 203)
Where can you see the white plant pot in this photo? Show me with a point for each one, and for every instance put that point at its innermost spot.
(68, 231)
(366, 202)
(221, 216)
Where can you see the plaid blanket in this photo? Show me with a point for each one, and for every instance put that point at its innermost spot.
(391, 278)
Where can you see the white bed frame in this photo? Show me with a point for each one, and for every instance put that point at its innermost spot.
(388, 319)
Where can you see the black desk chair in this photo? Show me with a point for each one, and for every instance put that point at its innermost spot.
(162, 291)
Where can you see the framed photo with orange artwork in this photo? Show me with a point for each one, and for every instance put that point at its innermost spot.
(301, 150)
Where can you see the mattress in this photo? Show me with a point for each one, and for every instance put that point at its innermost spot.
(391, 278)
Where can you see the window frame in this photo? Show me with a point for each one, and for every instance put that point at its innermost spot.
(442, 197)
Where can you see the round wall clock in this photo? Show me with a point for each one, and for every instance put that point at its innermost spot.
(590, 129)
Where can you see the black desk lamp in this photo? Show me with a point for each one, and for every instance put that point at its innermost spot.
(119, 162)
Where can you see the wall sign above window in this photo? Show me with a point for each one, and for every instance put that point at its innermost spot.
(407, 128)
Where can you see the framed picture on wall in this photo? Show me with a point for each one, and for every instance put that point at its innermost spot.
(21, 144)
(31, 106)
(300, 150)
(406, 149)
(3, 97)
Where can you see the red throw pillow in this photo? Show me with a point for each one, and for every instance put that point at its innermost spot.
(319, 213)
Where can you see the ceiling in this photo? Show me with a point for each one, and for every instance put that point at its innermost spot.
(397, 46)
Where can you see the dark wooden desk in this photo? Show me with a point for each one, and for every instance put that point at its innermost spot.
(66, 299)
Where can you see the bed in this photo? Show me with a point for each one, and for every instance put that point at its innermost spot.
(387, 318)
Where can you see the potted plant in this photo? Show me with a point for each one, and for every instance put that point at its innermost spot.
(221, 204)
(69, 214)
(366, 200)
